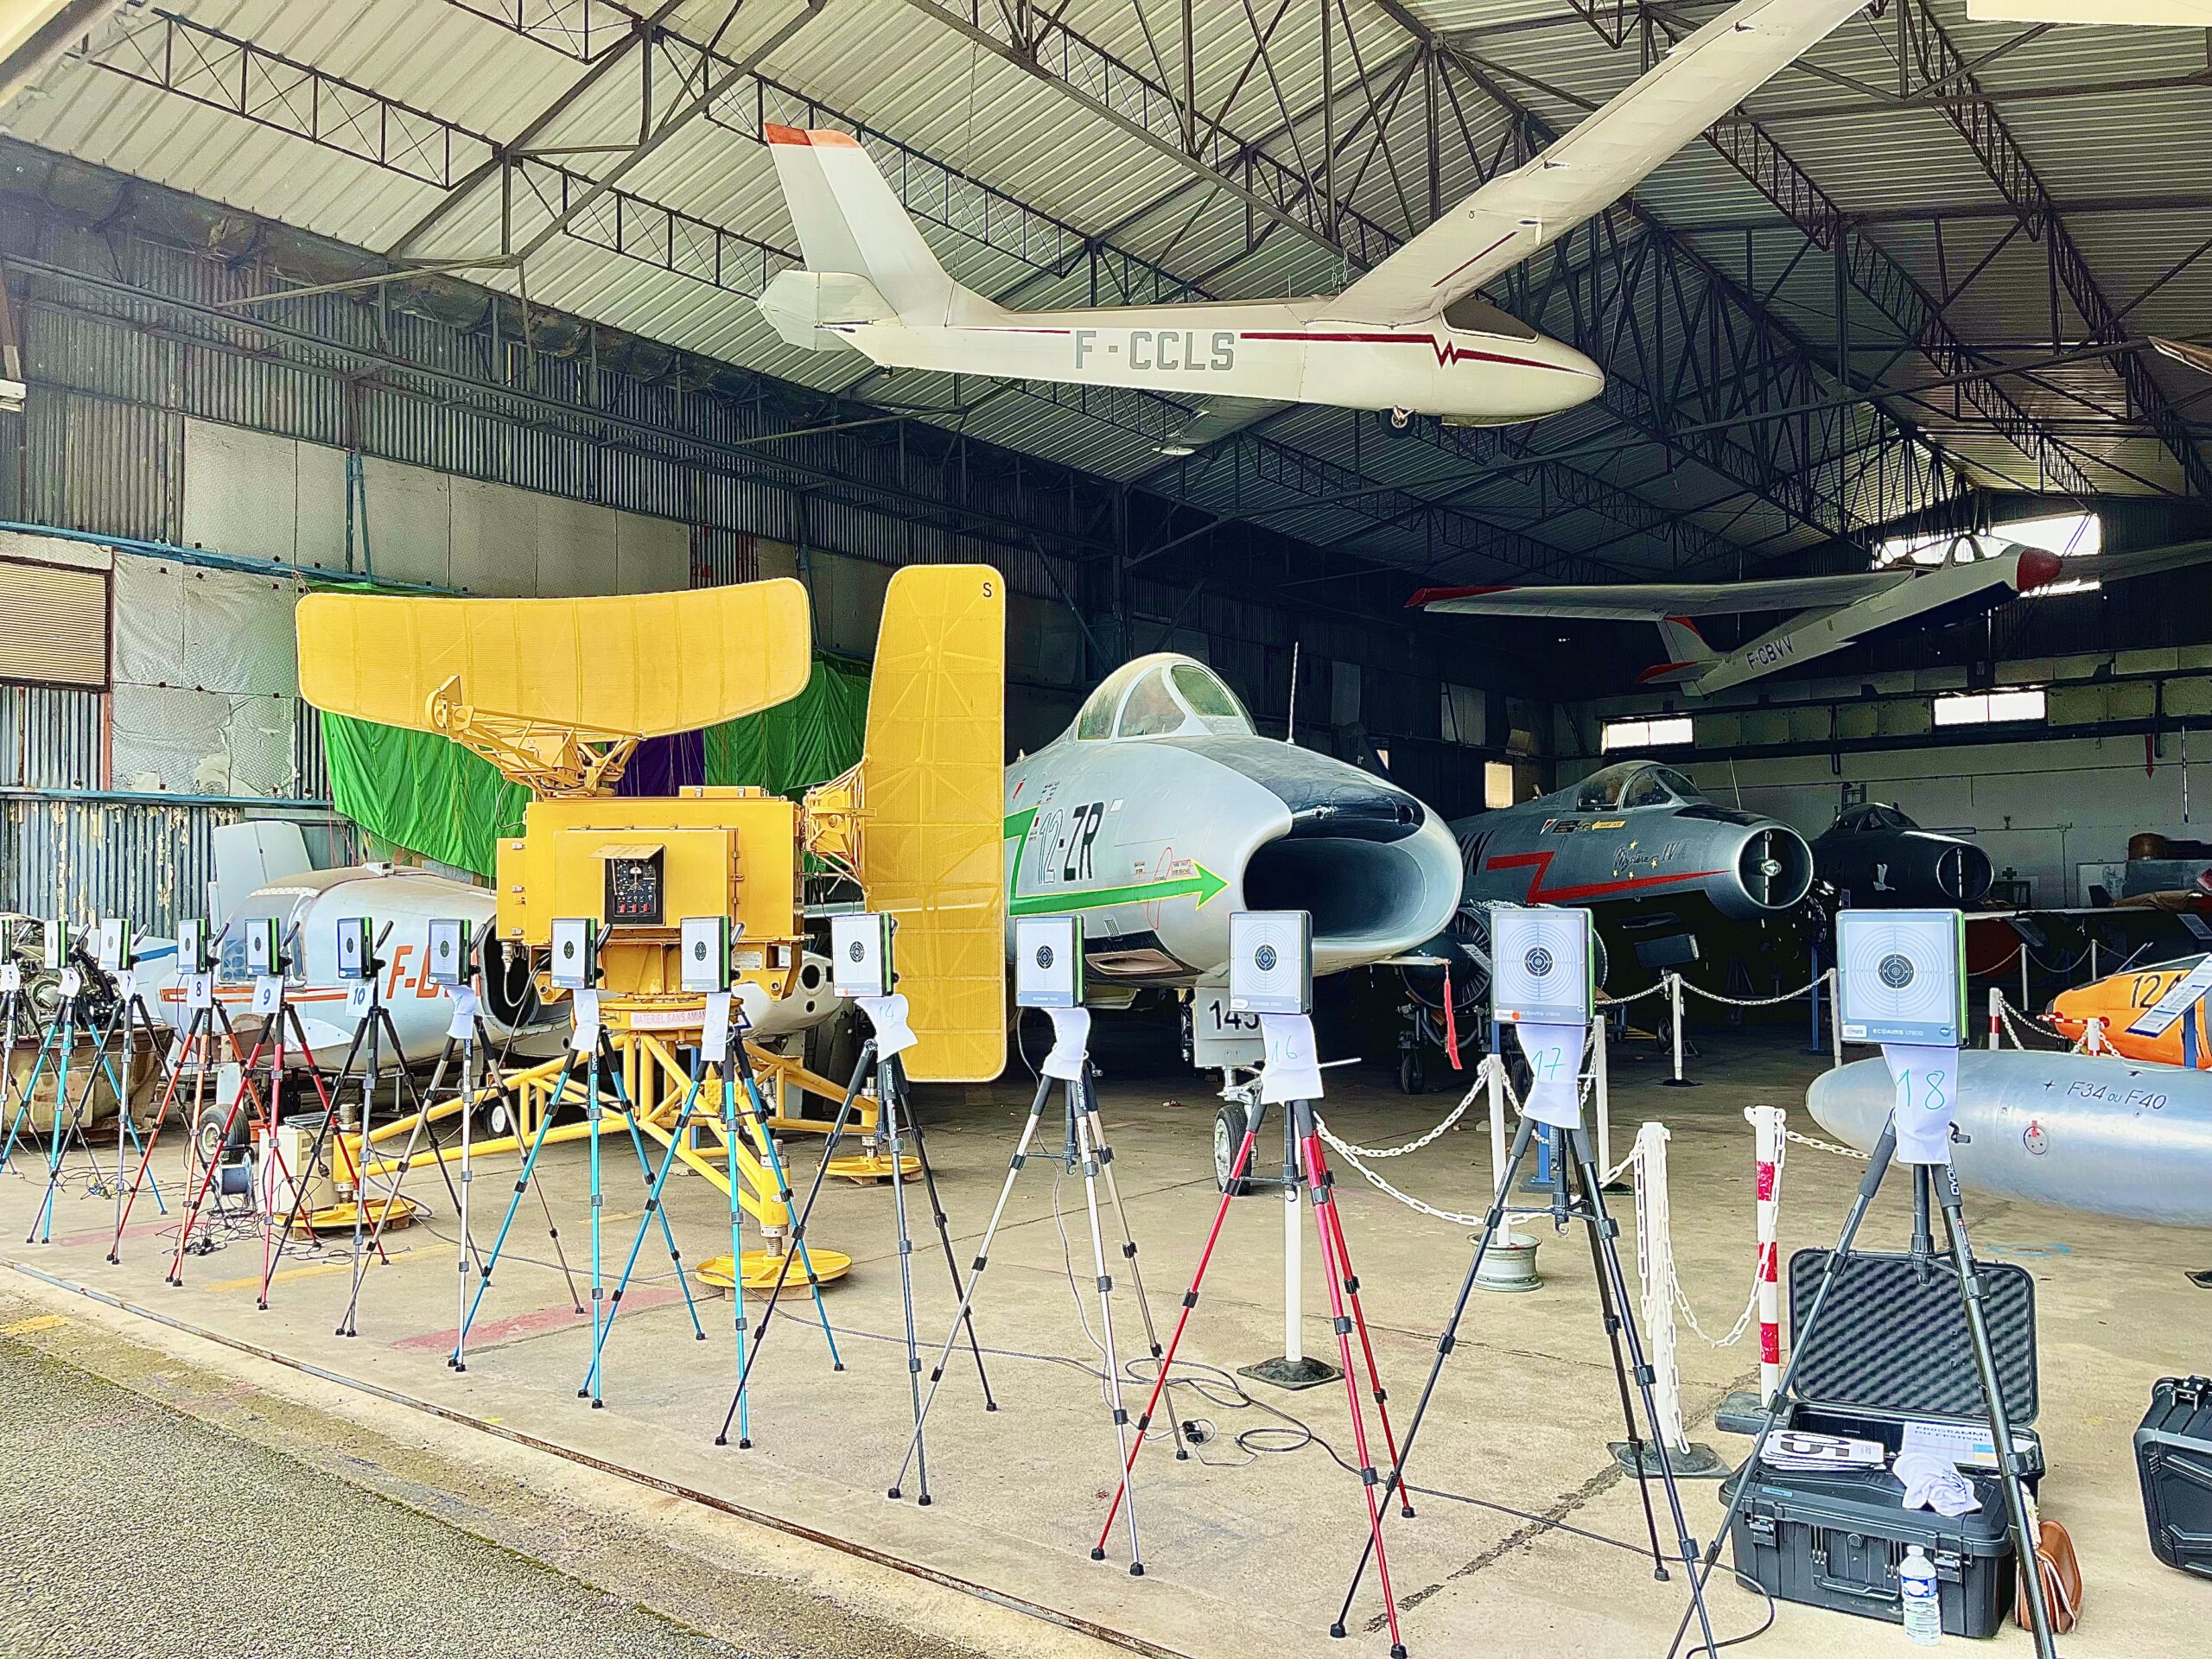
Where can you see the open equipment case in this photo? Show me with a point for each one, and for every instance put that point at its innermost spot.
(1891, 1348)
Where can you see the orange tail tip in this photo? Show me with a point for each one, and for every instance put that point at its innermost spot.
(776, 135)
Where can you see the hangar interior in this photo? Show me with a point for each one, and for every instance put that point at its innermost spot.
(460, 299)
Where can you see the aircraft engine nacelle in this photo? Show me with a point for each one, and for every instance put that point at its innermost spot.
(1763, 869)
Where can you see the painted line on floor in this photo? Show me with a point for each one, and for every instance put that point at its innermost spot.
(869, 1552)
(561, 1316)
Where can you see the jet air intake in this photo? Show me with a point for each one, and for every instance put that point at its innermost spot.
(1372, 865)
(1774, 871)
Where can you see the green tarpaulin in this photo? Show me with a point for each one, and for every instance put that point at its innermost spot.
(816, 736)
(424, 793)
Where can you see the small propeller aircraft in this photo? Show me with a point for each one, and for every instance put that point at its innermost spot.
(1411, 336)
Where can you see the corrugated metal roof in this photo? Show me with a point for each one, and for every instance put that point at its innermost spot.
(468, 82)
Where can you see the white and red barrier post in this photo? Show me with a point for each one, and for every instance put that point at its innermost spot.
(1766, 1129)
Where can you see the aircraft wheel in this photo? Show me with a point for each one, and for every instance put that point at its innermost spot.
(1412, 1072)
(1228, 1135)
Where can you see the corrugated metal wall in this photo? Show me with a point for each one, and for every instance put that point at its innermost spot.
(146, 859)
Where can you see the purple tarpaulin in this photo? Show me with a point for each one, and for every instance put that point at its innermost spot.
(662, 766)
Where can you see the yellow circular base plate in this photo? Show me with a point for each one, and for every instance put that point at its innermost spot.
(865, 1168)
(762, 1269)
(338, 1217)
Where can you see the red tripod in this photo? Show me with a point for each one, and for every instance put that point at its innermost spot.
(1343, 1293)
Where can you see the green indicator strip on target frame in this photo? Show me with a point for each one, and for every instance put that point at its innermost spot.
(1201, 884)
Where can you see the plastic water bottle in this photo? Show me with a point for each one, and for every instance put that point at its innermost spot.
(1923, 1607)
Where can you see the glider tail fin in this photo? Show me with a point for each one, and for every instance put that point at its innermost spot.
(1687, 655)
(850, 223)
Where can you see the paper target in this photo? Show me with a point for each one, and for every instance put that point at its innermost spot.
(705, 952)
(448, 949)
(1271, 962)
(1902, 976)
(1541, 966)
(860, 954)
(1048, 961)
(575, 953)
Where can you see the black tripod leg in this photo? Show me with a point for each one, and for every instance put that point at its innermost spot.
(943, 1232)
(799, 1234)
(1579, 1142)
(1493, 1223)
(2000, 1425)
(1739, 1489)
(1620, 1376)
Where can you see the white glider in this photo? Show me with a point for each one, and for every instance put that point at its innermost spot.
(1834, 611)
(1411, 336)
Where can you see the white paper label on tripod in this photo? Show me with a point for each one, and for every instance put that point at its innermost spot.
(462, 1026)
(126, 986)
(1070, 1042)
(713, 1033)
(888, 1014)
(360, 997)
(1293, 1067)
(199, 990)
(11, 978)
(1926, 1099)
(72, 983)
(1554, 1056)
(585, 1038)
(268, 993)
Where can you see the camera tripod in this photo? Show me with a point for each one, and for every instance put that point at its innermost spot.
(197, 1038)
(731, 1068)
(263, 1116)
(597, 1056)
(1938, 1182)
(1343, 1293)
(1083, 1145)
(470, 1024)
(1616, 1310)
(890, 1080)
(130, 1016)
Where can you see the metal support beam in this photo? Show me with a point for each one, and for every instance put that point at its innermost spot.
(1942, 65)
(1862, 265)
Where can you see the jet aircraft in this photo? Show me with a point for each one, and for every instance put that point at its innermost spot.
(1413, 335)
(1637, 839)
(1874, 855)
(1161, 810)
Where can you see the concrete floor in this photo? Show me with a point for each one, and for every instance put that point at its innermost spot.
(1243, 1546)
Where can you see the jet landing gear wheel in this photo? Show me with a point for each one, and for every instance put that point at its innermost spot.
(1413, 1071)
(1228, 1135)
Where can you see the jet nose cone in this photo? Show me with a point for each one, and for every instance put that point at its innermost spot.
(2037, 567)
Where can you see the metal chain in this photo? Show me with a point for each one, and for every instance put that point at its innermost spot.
(1827, 974)
(1636, 997)
(1819, 1144)
(1450, 1118)
(1751, 1302)
(1406, 1198)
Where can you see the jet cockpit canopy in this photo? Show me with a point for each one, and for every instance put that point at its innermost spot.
(1165, 695)
(1628, 783)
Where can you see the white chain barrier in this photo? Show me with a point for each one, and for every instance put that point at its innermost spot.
(1655, 1270)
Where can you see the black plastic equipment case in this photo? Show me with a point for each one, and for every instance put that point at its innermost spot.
(2173, 1455)
(1891, 1348)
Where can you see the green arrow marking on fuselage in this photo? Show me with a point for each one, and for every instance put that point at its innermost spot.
(1201, 884)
